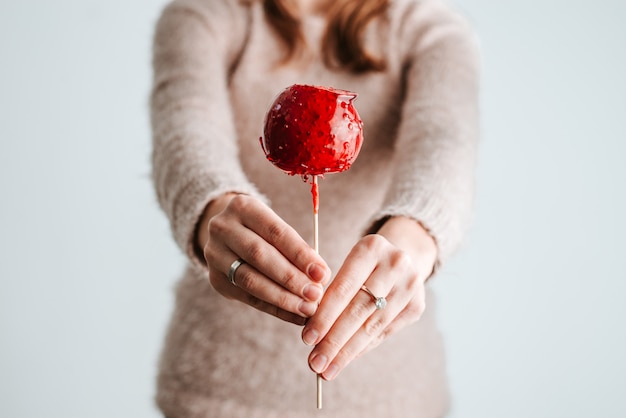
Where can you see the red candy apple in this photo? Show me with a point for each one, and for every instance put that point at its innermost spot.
(312, 131)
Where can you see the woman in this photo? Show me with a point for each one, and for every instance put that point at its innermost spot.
(233, 347)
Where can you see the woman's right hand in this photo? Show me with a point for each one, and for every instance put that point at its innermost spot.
(281, 274)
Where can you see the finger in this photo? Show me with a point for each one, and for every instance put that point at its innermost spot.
(408, 316)
(248, 279)
(273, 310)
(241, 295)
(412, 312)
(399, 312)
(355, 328)
(253, 283)
(260, 254)
(359, 264)
(269, 262)
(269, 226)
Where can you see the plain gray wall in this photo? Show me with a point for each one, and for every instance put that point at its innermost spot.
(531, 308)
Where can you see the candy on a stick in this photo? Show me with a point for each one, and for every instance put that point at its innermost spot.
(311, 131)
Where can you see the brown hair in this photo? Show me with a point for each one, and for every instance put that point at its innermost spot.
(342, 45)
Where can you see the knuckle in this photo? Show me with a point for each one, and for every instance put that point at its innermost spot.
(358, 311)
(275, 232)
(344, 357)
(372, 242)
(332, 344)
(378, 339)
(301, 255)
(282, 300)
(400, 260)
(289, 279)
(374, 326)
(239, 203)
(343, 290)
(217, 226)
(245, 279)
(254, 252)
(415, 309)
(413, 285)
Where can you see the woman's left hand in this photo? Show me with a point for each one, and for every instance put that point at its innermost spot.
(392, 264)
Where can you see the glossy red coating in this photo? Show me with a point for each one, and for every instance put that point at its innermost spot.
(312, 130)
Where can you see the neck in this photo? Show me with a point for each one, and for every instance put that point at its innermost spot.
(311, 7)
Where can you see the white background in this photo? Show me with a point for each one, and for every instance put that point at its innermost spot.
(532, 308)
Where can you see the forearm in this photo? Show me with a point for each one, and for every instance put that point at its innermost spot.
(195, 156)
(436, 144)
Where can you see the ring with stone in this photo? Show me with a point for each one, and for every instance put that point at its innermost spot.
(233, 268)
(380, 302)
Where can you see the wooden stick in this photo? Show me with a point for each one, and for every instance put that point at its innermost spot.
(315, 192)
(319, 391)
(316, 245)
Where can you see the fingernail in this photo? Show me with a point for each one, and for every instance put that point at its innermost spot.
(331, 372)
(316, 272)
(309, 336)
(318, 363)
(307, 308)
(312, 292)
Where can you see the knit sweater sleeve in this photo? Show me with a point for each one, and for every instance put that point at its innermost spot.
(195, 156)
(433, 180)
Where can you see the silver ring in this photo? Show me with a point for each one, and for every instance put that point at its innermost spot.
(233, 268)
(380, 302)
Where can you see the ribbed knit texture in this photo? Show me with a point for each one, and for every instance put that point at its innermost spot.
(215, 77)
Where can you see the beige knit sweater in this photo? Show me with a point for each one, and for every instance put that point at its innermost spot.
(215, 77)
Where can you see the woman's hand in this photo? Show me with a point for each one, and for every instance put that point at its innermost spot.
(281, 274)
(394, 263)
